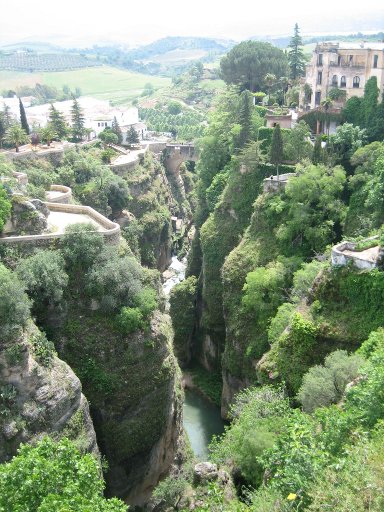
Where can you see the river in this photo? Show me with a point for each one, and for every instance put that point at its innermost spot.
(201, 418)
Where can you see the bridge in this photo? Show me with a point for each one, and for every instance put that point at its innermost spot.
(175, 154)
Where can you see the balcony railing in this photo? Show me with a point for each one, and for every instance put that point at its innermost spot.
(347, 65)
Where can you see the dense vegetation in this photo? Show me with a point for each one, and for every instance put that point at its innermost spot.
(272, 311)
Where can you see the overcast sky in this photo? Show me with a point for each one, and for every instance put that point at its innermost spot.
(83, 22)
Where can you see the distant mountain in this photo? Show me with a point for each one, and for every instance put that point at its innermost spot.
(31, 46)
(170, 44)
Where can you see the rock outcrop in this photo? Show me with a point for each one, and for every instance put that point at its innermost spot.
(38, 399)
(134, 386)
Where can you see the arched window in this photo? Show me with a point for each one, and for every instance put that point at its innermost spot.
(356, 82)
(343, 82)
(334, 81)
(375, 59)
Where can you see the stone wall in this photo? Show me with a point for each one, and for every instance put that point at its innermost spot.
(340, 257)
(112, 233)
(65, 197)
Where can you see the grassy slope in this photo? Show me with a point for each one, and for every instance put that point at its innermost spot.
(104, 82)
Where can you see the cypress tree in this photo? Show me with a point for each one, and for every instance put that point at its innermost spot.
(277, 147)
(317, 151)
(132, 137)
(296, 58)
(78, 120)
(57, 121)
(117, 130)
(23, 118)
(369, 105)
(245, 118)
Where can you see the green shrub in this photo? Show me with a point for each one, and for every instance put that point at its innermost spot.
(375, 341)
(258, 414)
(53, 476)
(43, 349)
(5, 207)
(146, 301)
(324, 385)
(129, 320)
(14, 304)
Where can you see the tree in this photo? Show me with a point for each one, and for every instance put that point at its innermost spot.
(324, 385)
(5, 207)
(270, 80)
(58, 123)
(118, 194)
(44, 277)
(23, 117)
(317, 151)
(78, 120)
(276, 151)
(326, 106)
(54, 476)
(296, 56)
(245, 118)
(132, 136)
(117, 130)
(108, 137)
(313, 209)
(114, 281)
(80, 245)
(16, 136)
(14, 305)
(48, 133)
(346, 140)
(297, 146)
(248, 63)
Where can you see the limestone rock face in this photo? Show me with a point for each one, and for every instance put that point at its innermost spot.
(204, 472)
(36, 400)
(133, 383)
(27, 217)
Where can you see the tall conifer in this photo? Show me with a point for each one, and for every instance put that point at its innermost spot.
(296, 56)
(23, 118)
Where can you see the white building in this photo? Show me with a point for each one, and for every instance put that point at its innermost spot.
(98, 115)
(342, 65)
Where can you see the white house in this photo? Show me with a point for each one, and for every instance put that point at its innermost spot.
(98, 115)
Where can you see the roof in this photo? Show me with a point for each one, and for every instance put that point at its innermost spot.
(345, 45)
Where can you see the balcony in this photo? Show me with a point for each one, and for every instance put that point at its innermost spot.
(347, 65)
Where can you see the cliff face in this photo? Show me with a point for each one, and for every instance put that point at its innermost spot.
(38, 400)
(133, 384)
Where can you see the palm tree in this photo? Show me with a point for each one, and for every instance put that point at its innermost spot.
(16, 136)
(325, 107)
(48, 133)
(270, 80)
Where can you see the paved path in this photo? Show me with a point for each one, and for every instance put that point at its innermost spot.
(58, 221)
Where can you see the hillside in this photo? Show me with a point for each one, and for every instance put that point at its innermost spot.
(104, 82)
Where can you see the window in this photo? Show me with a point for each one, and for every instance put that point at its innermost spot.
(317, 98)
(334, 81)
(339, 60)
(350, 59)
(319, 77)
(356, 82)
(375, 59)
(320, 59)
(343, 82)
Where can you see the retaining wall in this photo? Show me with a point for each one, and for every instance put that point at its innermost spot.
(338, 256)
(65, 197)
(111, 235)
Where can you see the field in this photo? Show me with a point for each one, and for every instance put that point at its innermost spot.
(108, 83)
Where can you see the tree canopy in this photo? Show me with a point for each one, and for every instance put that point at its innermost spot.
(296, 56)
(247, 64)
(53, 476)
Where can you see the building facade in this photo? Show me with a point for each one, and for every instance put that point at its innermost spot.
(346, 66)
